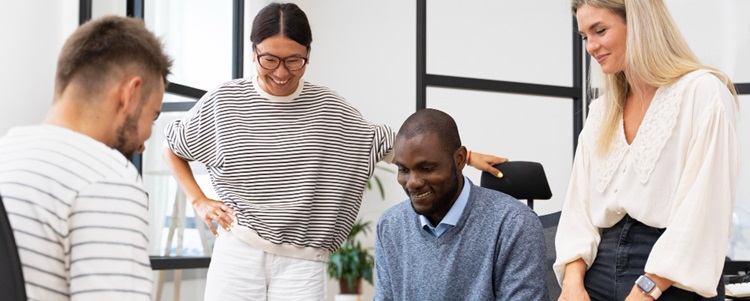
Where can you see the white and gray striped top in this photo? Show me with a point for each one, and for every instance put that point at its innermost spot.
(293, 167)
(79, 215)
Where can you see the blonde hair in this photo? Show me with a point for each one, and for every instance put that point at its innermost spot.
(656, 54)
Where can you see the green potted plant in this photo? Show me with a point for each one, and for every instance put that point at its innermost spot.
(351, 262)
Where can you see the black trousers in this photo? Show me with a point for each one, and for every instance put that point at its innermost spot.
(621, 259)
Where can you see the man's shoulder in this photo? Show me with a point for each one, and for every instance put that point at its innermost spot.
(63, 153)
(503, 207)
(397, 211)
(497, 200)
(397, 214)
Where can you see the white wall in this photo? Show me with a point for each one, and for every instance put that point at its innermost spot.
(366, 51)
(32, 34)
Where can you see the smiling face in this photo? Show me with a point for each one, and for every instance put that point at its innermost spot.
(430, 175)
(279, 81)
(605, 33)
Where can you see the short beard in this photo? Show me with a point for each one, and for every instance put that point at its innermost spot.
(444, 201)
(127, 136)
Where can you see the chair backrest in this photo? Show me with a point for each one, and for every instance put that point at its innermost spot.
(549, 223)
(521, 179)
(527, 181)
(12, 284)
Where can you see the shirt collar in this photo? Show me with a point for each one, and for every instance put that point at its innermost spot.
(451, 218)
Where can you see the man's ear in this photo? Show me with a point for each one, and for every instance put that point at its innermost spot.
(130, 93)
(460, 158)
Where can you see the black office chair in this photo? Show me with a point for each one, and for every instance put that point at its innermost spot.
(521, 180)
(527, 181)
(12, 284)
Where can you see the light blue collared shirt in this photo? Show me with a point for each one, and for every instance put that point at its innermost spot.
(451, 218)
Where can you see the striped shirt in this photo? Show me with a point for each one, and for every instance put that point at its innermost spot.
(294, 168)
(79, 216)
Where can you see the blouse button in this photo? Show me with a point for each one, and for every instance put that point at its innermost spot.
(619, 213)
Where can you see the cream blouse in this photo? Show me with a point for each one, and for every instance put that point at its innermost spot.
(679, 173)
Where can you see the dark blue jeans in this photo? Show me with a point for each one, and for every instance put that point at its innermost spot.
(622, 257)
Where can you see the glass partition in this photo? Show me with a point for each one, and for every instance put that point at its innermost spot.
(519, 127)
(101, 8)
(519, 41)
(198, 36)
(170, 211)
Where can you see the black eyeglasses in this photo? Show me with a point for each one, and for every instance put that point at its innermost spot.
(271, 62)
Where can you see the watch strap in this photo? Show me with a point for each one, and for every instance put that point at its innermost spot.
(655, 290)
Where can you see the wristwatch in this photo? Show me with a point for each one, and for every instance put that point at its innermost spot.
(648, 287)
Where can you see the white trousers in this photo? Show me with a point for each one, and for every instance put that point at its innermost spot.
(239, 271)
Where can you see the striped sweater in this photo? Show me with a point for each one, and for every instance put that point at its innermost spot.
(294, 168)
(79, 215)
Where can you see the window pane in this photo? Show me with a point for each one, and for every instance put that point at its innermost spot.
(108, 7)
(521, 128)
(166, 199)
(520, 41)
(169, 97)
(198, 36)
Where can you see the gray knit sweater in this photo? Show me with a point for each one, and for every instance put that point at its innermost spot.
(496, 251)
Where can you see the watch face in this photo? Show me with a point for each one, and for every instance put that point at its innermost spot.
(645, 284)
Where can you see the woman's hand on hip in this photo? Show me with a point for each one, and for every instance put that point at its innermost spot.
(212, 210)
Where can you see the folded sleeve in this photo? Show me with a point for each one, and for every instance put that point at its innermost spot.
(692, 249)
(383, 143)
(576, 237)
(195, 136)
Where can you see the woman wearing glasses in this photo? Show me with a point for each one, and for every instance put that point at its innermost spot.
(289, 160)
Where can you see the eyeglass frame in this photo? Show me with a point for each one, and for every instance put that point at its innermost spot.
(281, 60)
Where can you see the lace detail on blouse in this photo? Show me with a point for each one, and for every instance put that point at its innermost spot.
(616, 153)
(655, 130)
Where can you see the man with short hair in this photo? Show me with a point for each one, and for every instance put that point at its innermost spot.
(453, 240)
(76, 204)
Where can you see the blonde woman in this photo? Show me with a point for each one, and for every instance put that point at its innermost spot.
(648, 209)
